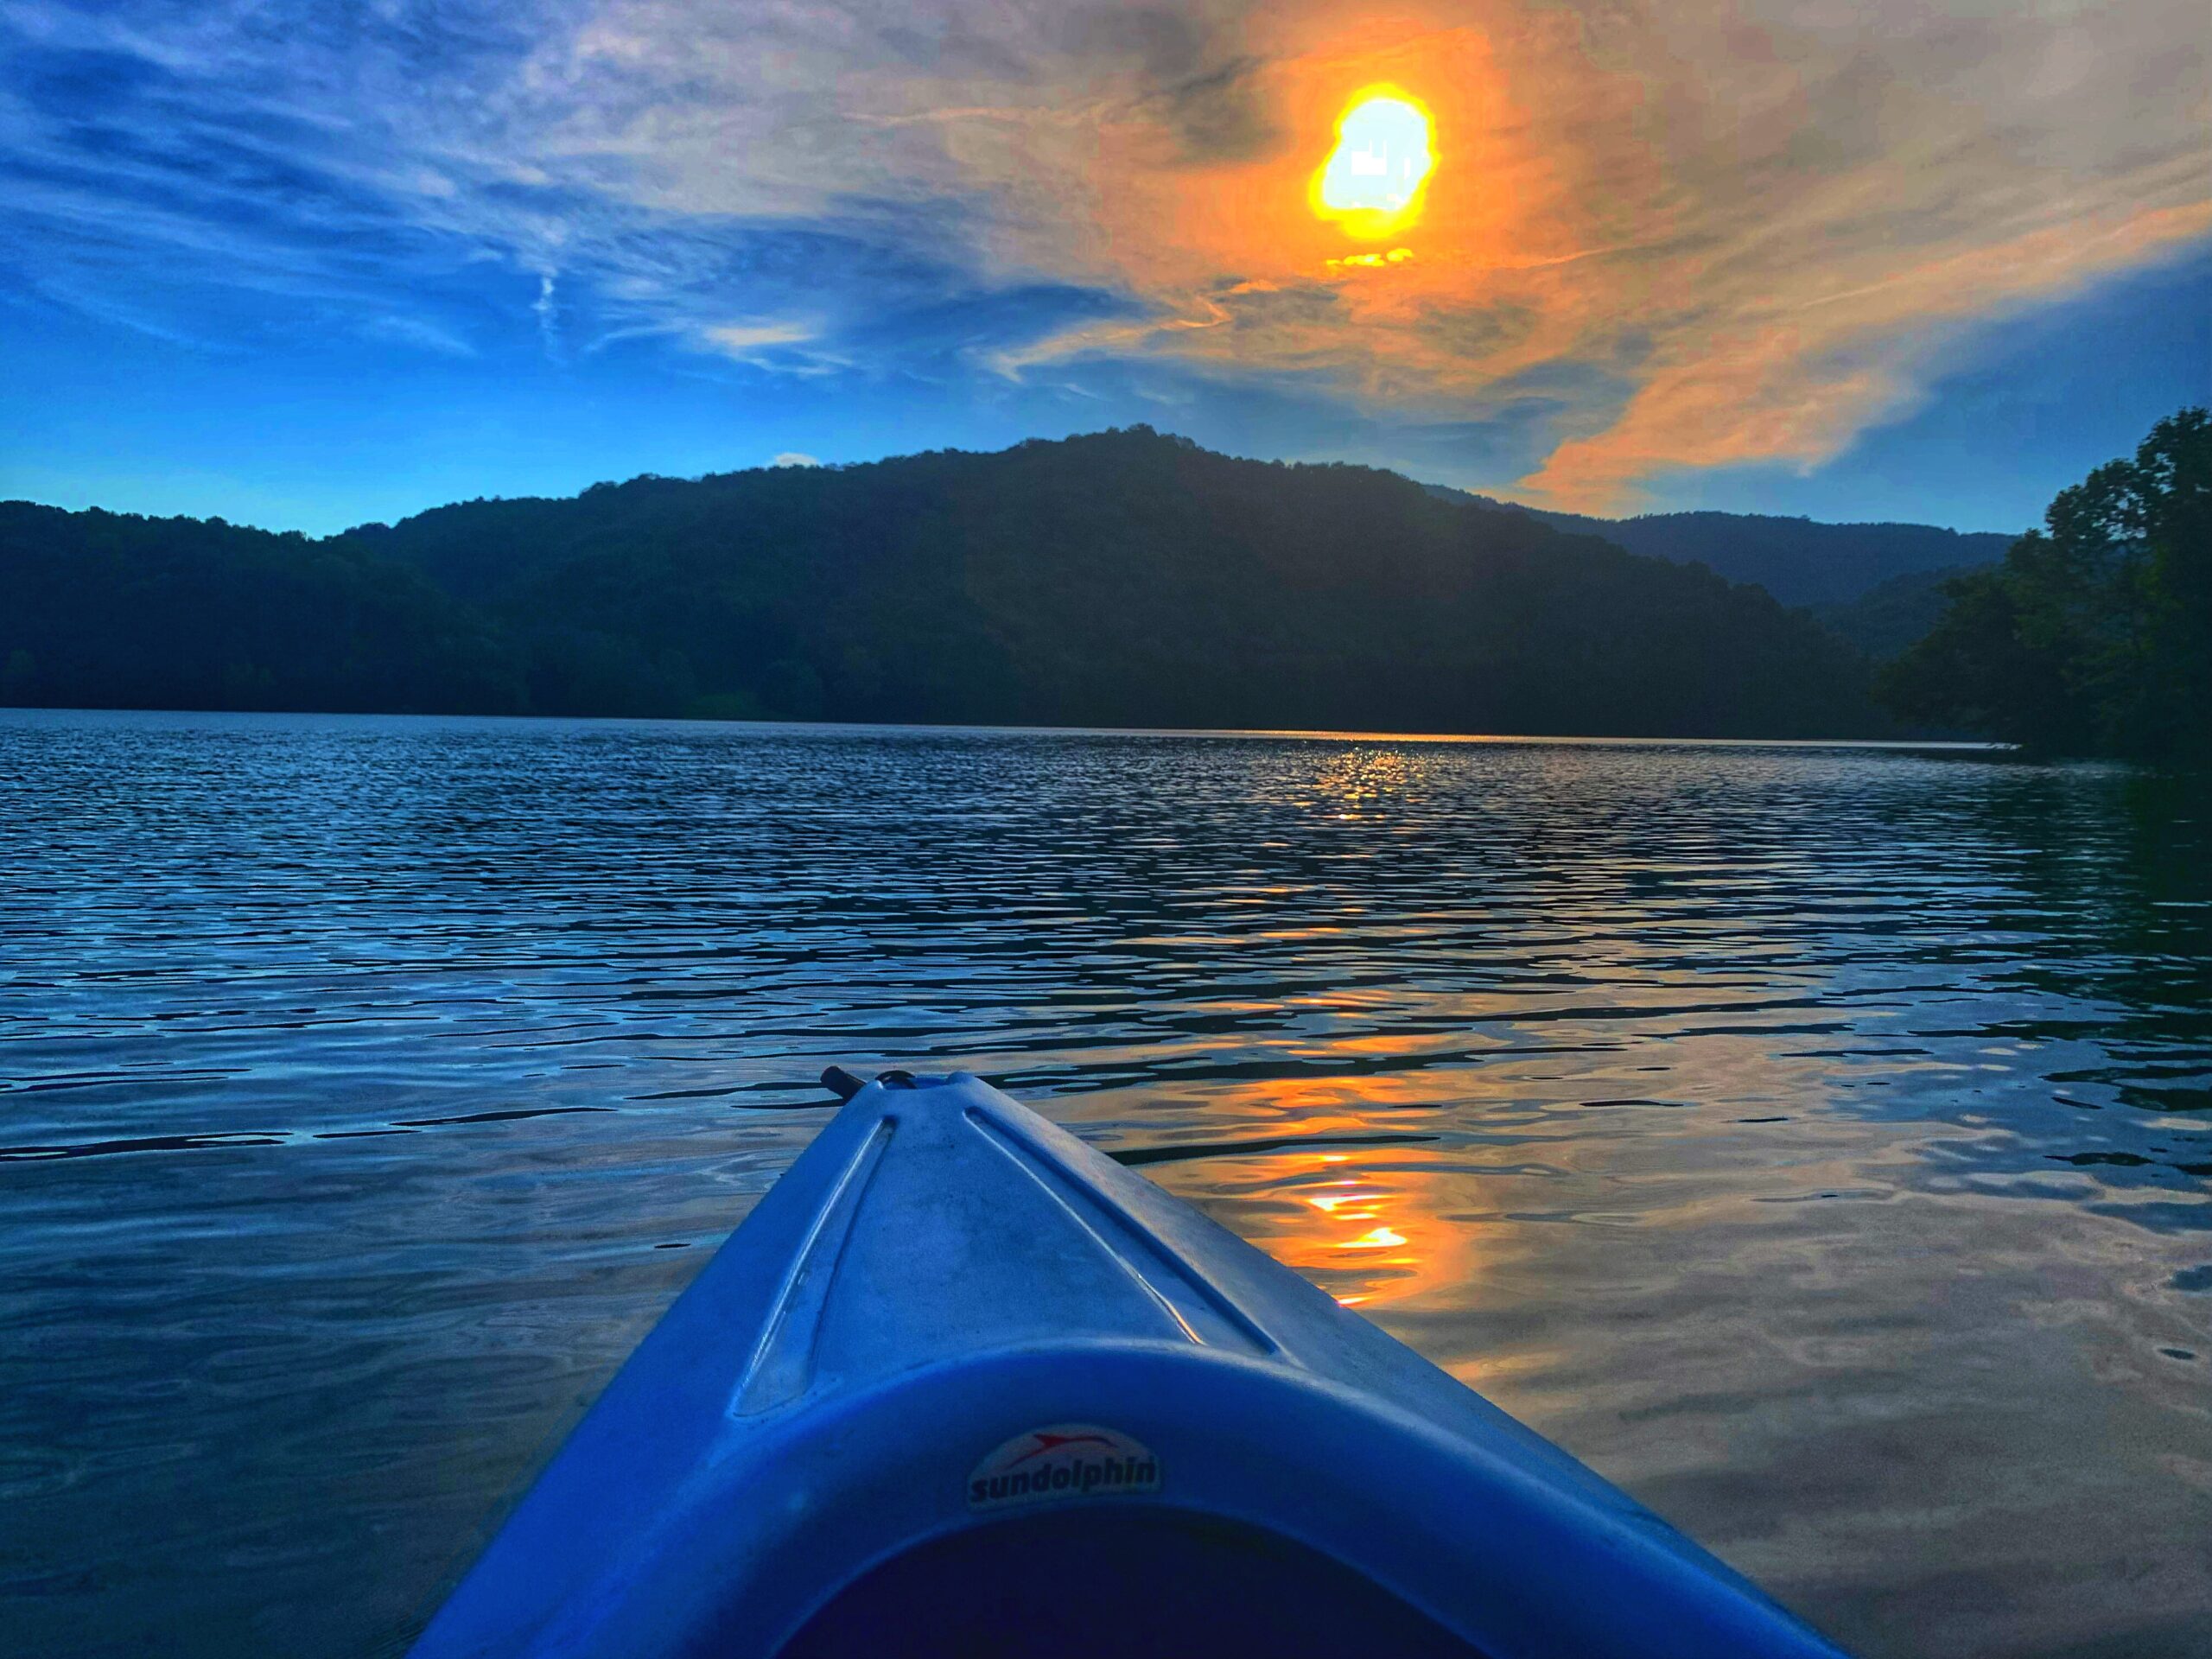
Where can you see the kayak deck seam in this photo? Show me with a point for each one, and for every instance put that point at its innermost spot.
(1202, 1313)
(782, 1361)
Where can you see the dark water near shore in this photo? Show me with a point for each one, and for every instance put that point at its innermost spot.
(1816, 1141)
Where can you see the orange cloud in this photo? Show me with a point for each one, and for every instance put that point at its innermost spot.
(1787, 390)
(1736, 226)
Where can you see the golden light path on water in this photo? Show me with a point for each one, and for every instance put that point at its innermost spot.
(1372, 182)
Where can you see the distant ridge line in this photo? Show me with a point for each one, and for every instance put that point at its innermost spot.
(1799, 560)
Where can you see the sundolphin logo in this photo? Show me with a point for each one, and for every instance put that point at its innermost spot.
(1062, 1461)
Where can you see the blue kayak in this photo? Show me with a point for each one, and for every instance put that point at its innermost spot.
(962, 1385)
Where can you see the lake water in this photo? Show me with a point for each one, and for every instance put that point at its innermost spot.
(1814, 1140)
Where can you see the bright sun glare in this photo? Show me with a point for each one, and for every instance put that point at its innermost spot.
(1372, 182)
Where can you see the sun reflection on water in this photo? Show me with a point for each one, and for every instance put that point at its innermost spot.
(1359, 1235)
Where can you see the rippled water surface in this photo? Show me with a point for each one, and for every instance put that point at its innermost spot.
(1814, 1141)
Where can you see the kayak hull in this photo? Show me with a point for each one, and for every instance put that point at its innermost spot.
(955, 1350)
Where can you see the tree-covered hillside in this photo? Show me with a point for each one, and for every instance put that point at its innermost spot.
(113, 611)
(1893, 616)
(1123, 578)
(1799, 560)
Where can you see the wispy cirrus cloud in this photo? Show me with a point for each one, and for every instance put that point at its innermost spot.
(419, 332)
(757, 343)
(1711, 232)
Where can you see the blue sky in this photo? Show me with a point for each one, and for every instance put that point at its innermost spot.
(306, 266)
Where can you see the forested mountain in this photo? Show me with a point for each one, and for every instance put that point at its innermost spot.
(1123, 578)
(1798, 561)
(1891, 616)
(110, 610)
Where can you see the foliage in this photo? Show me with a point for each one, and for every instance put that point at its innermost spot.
(1124, 578)
(1799, 560)
(2095, 635)
(1894, 614)
(1128, 578)
(112, 610)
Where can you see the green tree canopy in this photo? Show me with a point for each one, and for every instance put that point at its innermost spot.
(2095, 635)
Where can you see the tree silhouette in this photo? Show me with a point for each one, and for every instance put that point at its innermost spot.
(2095, 635)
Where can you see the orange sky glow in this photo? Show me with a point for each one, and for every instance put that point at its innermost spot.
(1687, 207)
(1663, 253)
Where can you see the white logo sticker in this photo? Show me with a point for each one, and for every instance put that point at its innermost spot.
(1065, 1461)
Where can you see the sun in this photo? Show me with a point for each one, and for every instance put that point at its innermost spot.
(1372, 184)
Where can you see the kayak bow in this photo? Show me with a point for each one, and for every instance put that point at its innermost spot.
(960, 1384)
